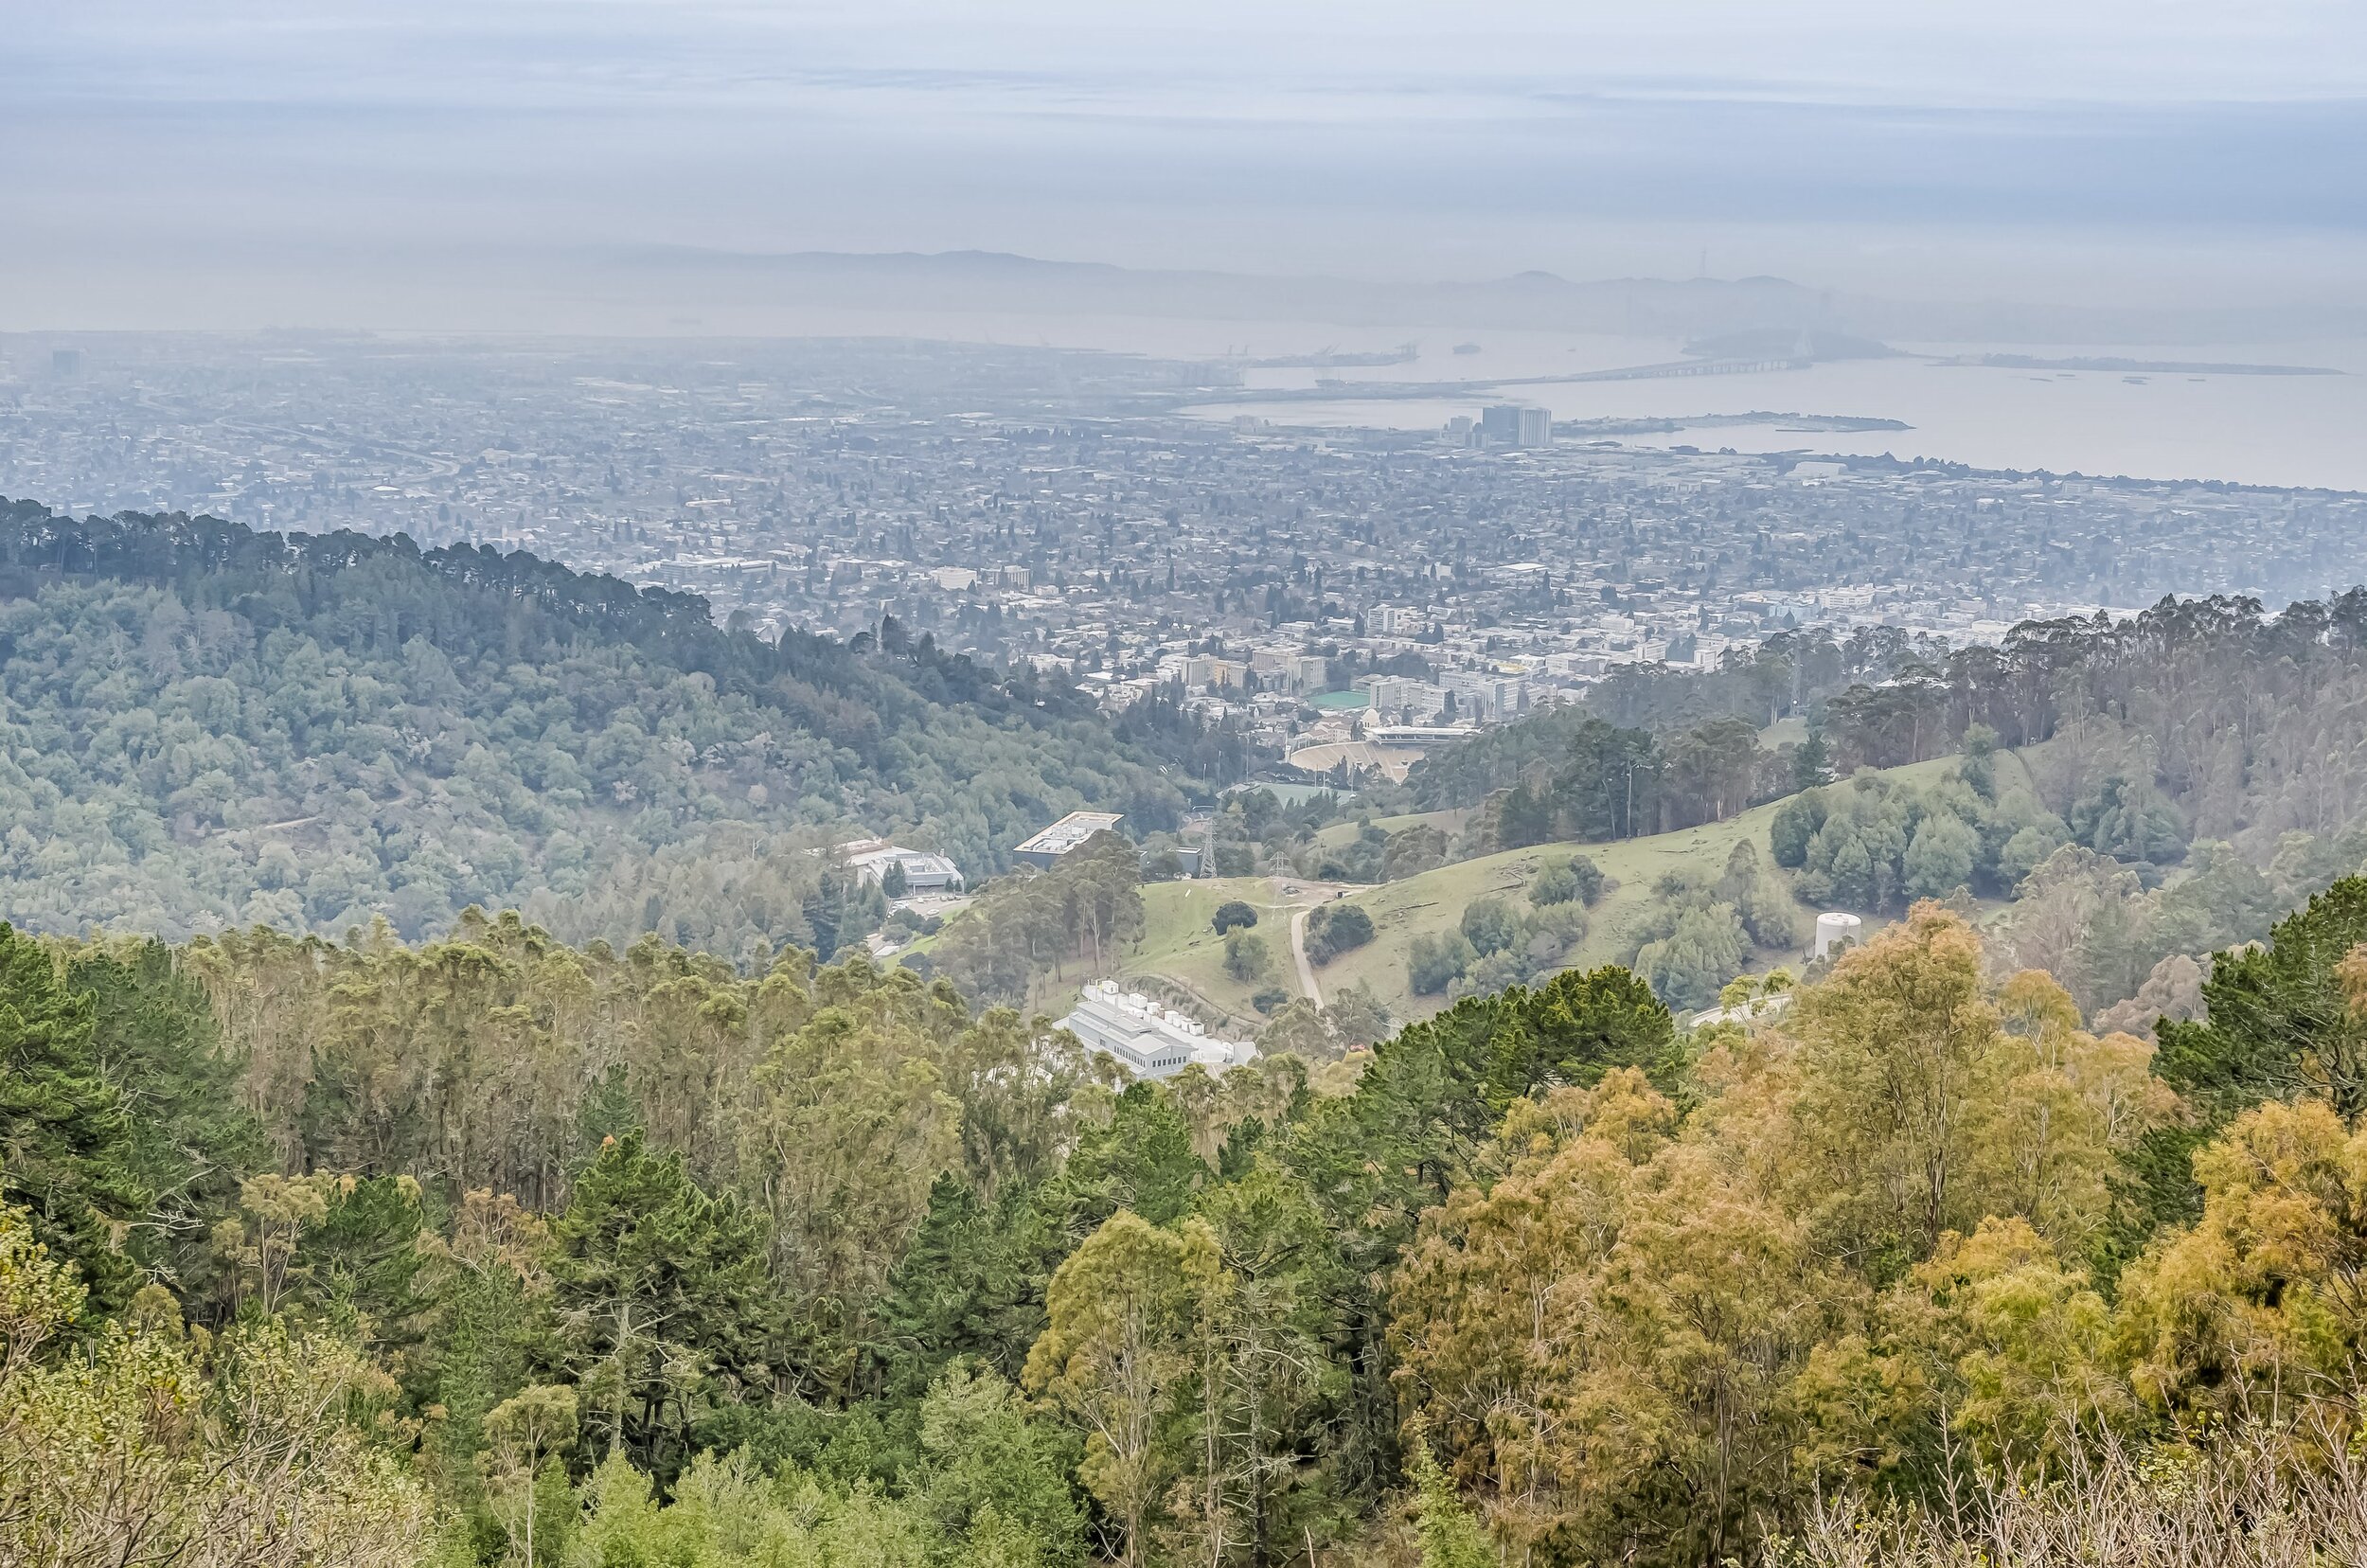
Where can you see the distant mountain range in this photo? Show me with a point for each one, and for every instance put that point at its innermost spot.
(1642, 307)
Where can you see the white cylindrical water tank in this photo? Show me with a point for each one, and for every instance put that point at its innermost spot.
(1833, 932)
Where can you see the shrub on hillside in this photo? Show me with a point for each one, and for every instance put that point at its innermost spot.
(1489, 925)
(1435, 962)
(1335, 929)
(1245, 956)
(1574, 880)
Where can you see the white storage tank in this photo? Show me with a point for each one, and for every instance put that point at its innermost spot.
(1834, 932)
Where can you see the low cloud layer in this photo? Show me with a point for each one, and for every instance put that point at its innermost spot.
(2175, 150)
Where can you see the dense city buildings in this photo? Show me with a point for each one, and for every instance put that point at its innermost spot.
(1062, 509)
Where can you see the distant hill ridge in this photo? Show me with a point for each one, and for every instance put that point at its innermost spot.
(999, 281)
(1532, 300)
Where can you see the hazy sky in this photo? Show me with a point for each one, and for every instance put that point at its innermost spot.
(157, 154)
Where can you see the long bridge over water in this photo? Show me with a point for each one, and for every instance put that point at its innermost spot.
(1332, 389)
(1676, 367)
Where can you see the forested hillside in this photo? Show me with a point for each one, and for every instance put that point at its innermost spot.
(2142, 794)
(494, 1251)
(203, 726)
(1681, 746)
(2243, 720)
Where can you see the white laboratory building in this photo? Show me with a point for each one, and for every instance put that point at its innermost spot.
(924, 871)
(1145, 1039)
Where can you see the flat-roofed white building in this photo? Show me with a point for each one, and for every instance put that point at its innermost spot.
(1064, 835)
(925, 871)
(1145, 1039)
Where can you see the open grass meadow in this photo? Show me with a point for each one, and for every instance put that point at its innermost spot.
(1179, 946)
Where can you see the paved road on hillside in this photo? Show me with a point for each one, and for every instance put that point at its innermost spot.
(1298, 953)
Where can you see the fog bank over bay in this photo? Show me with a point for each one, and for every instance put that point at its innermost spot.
(432, 164)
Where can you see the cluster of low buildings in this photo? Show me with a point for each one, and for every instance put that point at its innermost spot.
(1145, 1037)
(899, 870)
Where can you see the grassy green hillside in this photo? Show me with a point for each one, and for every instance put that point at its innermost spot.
(1179, 948)
(1179, 945)
(1448, 822)
(1434, 900)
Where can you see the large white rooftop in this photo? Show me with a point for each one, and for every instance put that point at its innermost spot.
(1070, 832)
(1146, 1038)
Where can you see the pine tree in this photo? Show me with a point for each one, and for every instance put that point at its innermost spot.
(668, 1285)
(969, 1285)
(1451, 1536)
(67, 1150)
(155, 1037)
